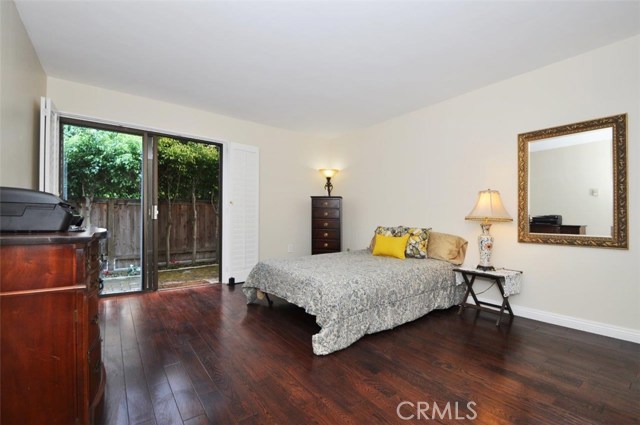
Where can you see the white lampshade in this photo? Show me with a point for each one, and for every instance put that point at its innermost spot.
(489, 208)
(328, 172)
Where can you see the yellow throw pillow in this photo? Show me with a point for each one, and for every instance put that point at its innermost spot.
(390, 246)
(386, 231)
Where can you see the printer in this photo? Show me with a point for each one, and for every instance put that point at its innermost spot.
(553, 219)
(24, 210)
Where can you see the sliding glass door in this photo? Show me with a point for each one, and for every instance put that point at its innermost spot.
(159, 196)
(188, 207)
(102, 174)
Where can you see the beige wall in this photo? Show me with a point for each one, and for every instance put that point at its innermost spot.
(288, 160)
(425, 169)
(22, 82)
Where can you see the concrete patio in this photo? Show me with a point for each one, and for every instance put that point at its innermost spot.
(167, 279)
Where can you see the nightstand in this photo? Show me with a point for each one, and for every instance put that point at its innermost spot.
(507, 281)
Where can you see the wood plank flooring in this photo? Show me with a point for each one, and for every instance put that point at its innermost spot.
(202, 356)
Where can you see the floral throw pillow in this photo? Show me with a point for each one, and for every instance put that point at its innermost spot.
(418, 241)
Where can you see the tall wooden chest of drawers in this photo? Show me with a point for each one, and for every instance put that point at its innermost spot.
(51, 366)
(326, 224)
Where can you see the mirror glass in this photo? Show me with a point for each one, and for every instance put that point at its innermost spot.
(571, 177)
(572, 184)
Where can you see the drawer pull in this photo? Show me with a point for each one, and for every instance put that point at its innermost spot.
(95, 282)
(326, 244)
(325, 204)
(326, 235)
(326, 213)
(95, 319)
(325, 224)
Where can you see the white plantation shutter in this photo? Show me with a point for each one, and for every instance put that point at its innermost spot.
(240, 219)
(49, 180)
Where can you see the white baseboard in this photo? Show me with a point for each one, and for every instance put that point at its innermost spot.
(598, 328)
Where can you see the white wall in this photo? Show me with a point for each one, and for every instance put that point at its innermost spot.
(288, 160)
(425, 169)
(22, 82)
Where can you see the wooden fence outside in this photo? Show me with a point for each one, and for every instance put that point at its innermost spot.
(123, 219)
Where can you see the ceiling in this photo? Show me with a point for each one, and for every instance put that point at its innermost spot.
(320, 67)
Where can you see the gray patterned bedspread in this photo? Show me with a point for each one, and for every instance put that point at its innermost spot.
(355, 293)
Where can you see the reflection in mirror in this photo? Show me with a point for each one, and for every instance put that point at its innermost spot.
(572, 184)
(572, 176)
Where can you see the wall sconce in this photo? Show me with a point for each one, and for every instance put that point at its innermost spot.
(488, 208)
(328, 173)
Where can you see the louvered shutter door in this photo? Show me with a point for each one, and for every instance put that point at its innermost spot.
(240, 220)
(49, 178)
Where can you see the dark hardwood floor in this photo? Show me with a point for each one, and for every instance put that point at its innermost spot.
(201, 355)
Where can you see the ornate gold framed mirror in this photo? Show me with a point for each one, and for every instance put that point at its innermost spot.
(572, 184)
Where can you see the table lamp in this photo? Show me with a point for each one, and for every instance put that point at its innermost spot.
(488, 209)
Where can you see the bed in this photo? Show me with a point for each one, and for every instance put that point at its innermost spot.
(355, 293)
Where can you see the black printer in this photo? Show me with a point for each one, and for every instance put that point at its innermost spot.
(24, 210)
(552, 219)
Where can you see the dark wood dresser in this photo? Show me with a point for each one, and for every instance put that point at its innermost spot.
(51, 366)
(326, 224)
(565, 229)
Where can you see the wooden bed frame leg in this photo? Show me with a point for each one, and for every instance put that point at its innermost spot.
(268, 299)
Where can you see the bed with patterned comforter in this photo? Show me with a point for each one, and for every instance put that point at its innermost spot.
(355, 293)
